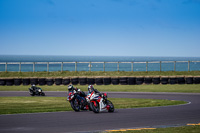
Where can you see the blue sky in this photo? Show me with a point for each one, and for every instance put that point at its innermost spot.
(100, 27)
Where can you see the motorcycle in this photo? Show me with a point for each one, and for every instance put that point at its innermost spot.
(100, 103)
(36, 91)
(77, 102)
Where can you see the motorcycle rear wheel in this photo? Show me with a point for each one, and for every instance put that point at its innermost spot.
(32, 93)
(95, 109)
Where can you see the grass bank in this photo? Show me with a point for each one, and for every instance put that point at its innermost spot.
(97, 73)
(13, 105)
(182, 129)
(186, 88)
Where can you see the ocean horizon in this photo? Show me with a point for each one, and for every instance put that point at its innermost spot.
(176, 64)
(79, 58)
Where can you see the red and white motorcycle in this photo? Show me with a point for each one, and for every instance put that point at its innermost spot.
(100, 103)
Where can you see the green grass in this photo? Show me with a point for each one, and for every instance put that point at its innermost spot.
(138, 103)
(186, 88)
(13, 105)
(182, 129)
(97, 73)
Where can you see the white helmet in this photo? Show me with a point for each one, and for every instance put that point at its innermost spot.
(70, 87)
(90, 88)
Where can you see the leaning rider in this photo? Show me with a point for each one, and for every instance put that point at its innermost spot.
(34, 88)
(80, 93)
(71, 88)
(91, 89)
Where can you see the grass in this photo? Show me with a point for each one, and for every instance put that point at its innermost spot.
(186, 88)
(97, 73)
(182, 129)
(13, 105)
(121, 103)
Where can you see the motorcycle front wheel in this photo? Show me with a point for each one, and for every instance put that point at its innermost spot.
(75, 106)
(42, 94)
(95, 108)
(111, 109)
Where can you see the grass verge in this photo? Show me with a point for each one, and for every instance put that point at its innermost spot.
(193, 88)
(14, 105)
(182, 129)
(97, 73)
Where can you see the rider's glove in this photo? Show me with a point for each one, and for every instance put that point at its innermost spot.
(88, 100)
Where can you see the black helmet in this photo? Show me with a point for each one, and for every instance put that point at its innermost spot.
(70, 87)
(90, 88)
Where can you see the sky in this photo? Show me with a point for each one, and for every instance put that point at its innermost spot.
(100, 27)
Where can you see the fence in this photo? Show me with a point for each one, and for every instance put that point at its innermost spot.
(101, 66)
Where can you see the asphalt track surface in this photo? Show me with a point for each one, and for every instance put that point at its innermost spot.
(87, 121)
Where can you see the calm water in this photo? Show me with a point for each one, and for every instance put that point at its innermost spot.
(179, 66)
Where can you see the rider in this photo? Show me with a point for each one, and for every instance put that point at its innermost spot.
(33, 87)
(81, 95)
(76, 91)
(91, 89)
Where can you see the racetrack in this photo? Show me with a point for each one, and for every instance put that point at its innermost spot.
(85, 121)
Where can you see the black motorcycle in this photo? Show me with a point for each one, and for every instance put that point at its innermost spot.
(36, 91)
(77, 102)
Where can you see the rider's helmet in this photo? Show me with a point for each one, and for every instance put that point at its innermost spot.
(33, 85)
(90, 88)
(70, 87)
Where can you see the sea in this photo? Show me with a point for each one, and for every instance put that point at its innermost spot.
(29, 63)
